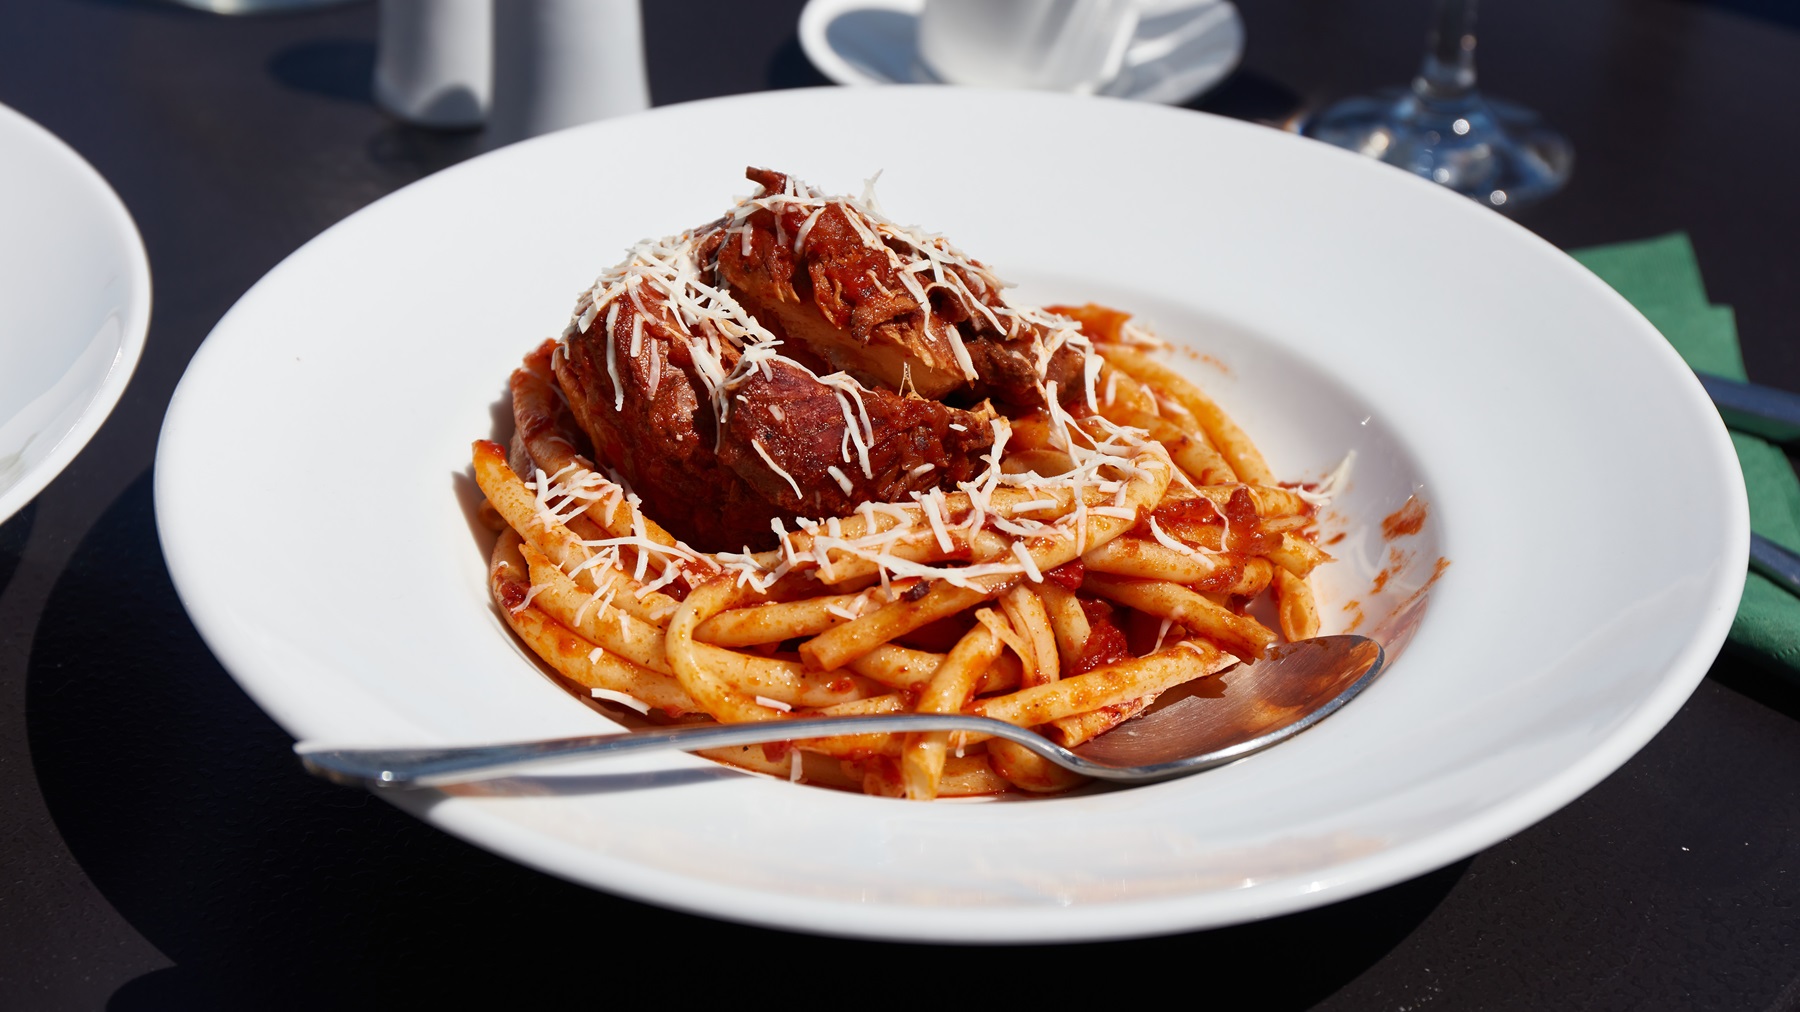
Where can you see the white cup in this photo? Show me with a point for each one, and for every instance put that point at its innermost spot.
(1055, 45)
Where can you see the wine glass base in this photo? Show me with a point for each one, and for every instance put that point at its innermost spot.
(1494, 152)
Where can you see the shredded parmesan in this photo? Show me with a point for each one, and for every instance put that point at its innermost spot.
(838, 476)
(1333, 486)
(1024, 556)
(623, 699)
(764, 454)
(1168, 542)
(961, 351)
(930, 503)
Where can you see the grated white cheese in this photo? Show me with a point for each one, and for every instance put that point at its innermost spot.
(615, 696)
(1024, 556)
(843, 481)
(1333, 486)
(961, 351)
(612, 361)
(1168, 542)
(847, 389)
(655, 368)
(764, 454)
(930, 503)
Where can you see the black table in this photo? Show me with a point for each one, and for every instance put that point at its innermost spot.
(161, 849)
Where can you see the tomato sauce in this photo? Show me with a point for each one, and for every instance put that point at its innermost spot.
(1235, 527)
(1406, 520)
(1069, 575)
(1105, 643)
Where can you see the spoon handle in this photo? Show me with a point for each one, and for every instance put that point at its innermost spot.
(1762, 411)
(1775, 562)
(433, 767)
(1160, 744)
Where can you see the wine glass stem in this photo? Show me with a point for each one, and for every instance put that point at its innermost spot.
(1448, 73)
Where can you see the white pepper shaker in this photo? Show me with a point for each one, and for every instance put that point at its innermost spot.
(558, 63)
(434, 61)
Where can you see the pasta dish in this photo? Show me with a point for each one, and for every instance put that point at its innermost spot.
(803, 460)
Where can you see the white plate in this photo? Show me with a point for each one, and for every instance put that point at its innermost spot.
(1578, 480)
(74, 306)
(861, 42)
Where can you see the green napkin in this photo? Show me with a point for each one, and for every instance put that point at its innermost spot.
(1662, 279)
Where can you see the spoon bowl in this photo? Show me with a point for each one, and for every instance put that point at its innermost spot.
(1197, 726)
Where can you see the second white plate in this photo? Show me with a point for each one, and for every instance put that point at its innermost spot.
(74, 306)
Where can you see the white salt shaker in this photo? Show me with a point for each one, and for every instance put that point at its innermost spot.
(558, 63)
(434, 61)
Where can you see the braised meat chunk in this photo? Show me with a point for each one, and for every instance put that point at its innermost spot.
(649, 389)
(810, 270)
(796, 358)
(656, 427)
(820, 450)
(892, 308)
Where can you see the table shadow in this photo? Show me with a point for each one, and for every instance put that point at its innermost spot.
(1777, 12)
(789, 68)
(163, 7)
(342, 69)
(1761, 678)
(14, 534)
(266, 888)
(1248, 95)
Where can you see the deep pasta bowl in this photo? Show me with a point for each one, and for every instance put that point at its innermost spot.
(1333, 305)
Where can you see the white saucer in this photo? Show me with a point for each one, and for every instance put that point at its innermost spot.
(876, 42)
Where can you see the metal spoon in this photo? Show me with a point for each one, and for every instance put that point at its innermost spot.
(1197, 726)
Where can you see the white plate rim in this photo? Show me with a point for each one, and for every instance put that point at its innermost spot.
(1139, 918)
(135, 326)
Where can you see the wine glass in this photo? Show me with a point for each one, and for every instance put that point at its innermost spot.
(1443, 129)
